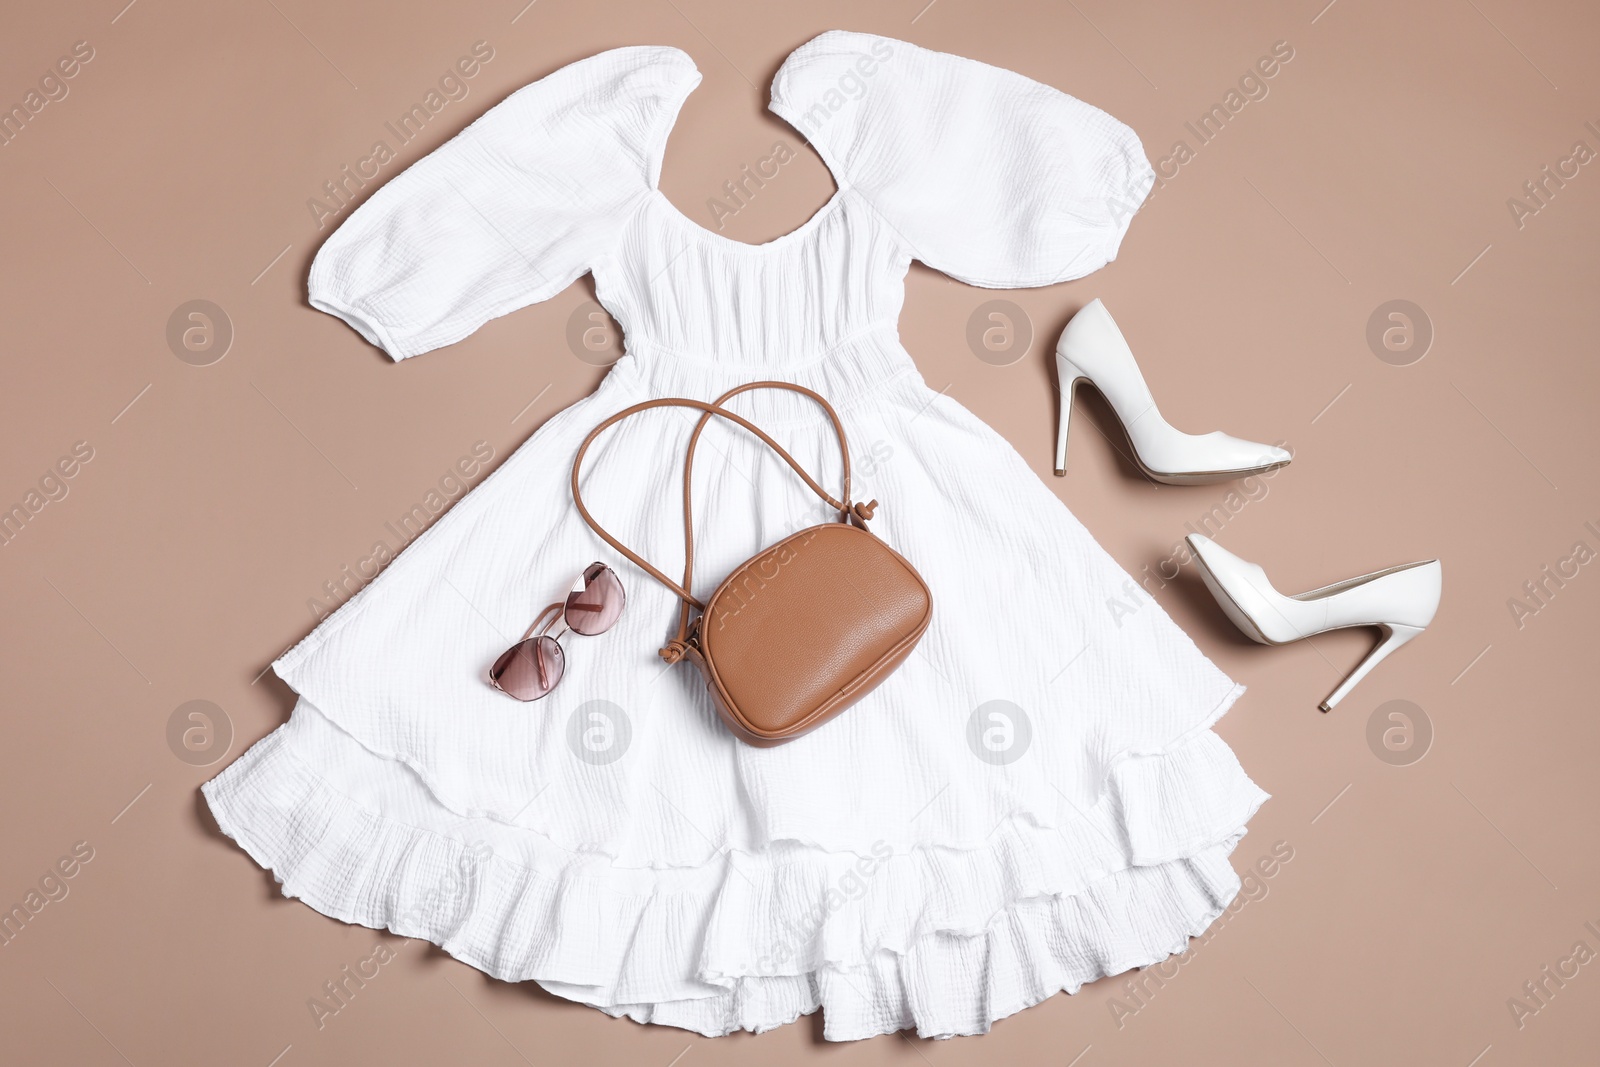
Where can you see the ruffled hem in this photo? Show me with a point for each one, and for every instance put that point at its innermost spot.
(956, 986)
(946, 940)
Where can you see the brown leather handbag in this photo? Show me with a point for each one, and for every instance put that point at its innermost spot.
(801, 631)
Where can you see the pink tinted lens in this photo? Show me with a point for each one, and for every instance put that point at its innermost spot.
(594, 608)
(529, 669)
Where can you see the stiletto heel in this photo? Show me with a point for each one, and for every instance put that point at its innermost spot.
(1067, 377)
(1093, 348)
(1394, 635)
(1401, 601)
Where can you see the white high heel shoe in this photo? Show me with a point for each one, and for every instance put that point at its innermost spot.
(1093, 348)
(1400, 601)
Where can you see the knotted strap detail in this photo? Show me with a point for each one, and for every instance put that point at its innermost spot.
(860, 513)
(674, 651)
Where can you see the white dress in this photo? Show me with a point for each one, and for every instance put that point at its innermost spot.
(1035, 799)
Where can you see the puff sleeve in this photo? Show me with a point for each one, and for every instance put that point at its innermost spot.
(985, 175)
(510, 211)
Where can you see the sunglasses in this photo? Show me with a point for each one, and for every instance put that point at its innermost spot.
(533, 666)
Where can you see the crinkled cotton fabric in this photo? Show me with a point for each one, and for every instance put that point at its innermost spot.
(1035, 799)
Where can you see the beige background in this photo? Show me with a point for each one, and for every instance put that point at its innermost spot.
(219, 499)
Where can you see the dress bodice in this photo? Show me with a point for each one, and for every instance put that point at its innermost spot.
(680, 290)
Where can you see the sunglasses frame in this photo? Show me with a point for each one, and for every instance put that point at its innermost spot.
(557, 613)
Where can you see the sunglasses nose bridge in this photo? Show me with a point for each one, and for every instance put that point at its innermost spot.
(545, 617)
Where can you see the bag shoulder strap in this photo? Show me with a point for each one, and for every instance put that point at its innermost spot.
(858, 513)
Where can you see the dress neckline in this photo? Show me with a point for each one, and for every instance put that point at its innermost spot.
(670, 123)
(800, 231)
